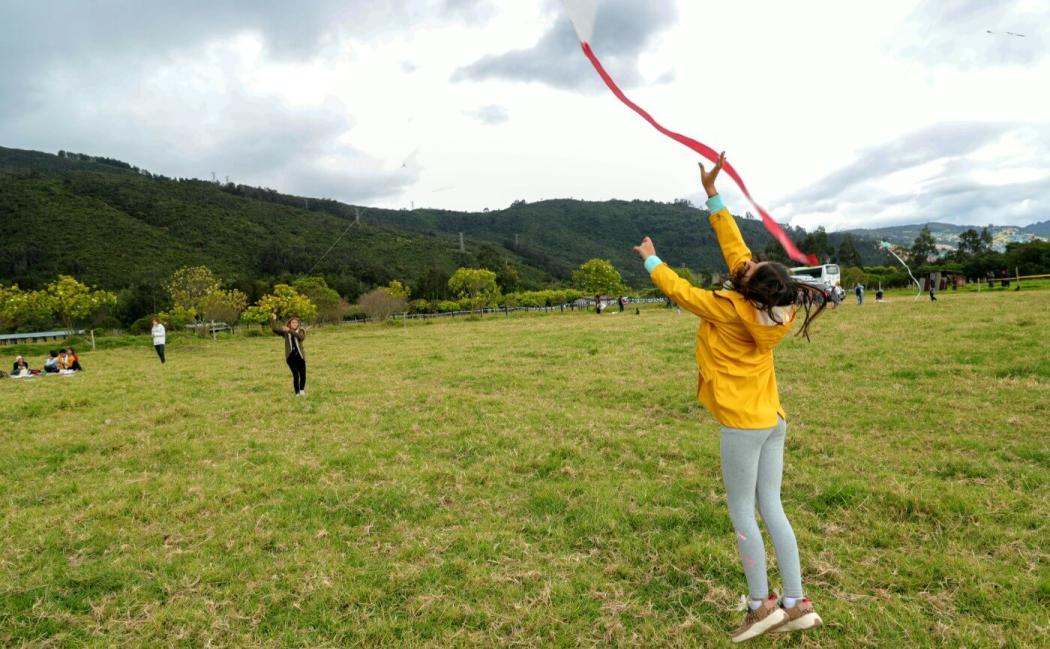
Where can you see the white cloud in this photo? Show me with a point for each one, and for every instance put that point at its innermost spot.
(353, 100)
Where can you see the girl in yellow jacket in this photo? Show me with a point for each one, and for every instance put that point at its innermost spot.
(734, 352)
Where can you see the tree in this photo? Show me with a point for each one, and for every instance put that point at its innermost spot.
(432, 285)
(329, 304)
(923, 247)
(178, 317)
(817, 242)
(73, 301)
(775, 252)
(986, 239)
(598, 277)
(138, 301)
(488, 257)
(380, 303)
(685, 274)
(397, 289)
(1032, 258)
(969, 243)
(286, 302)
(19, 308)
(848, 254)
(852, 276)
(189, 285)
(223, 306)
(476, 286)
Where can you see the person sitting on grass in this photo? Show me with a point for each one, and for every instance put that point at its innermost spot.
(20, 367)
(51, 363)
(734, 351)
(74, 360)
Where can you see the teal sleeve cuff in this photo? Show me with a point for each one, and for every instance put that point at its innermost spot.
(715, 203)
(651, 262)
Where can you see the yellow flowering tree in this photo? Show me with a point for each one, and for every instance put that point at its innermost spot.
(73, 301)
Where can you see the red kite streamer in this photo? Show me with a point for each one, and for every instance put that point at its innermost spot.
(772, 226)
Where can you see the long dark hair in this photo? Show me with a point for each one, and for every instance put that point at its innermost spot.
(771, 285)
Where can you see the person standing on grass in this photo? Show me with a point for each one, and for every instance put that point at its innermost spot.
(734, 351)
(160, 338)
(293, 334)
(860, 293)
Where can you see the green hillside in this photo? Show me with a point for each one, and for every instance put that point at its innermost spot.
(561, 234)
(116, 226)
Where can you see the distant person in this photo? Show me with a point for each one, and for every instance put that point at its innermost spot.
(160, 337)
(51, 362)
(738, 330)
(74, 360)
(860, 293)
(293, 334)
(622, 302)
(598, 305)
(878, 295)
(64, 363)
(20, 367)
(933, 293)
(834, 297)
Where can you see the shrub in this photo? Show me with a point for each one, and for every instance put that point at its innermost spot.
(379, 304)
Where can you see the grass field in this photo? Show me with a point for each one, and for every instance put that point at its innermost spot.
(531, 481)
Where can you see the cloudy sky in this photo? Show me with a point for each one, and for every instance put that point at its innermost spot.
(842, 114)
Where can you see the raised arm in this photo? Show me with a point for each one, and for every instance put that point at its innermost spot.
(278, 330)
(730, 240)
(695, 300)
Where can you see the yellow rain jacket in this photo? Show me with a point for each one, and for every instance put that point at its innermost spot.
(735, 340)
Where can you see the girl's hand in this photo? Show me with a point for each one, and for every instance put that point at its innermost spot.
(284, 329)
(273, 316)
(645, 249)
(707, 178)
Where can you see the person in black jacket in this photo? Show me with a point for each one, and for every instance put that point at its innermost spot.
(19, 365)
(293, 334)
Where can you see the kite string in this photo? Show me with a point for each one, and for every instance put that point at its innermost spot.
(771, 225)
(337, 239)
(917, 284)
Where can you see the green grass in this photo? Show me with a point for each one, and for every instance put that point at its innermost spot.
(531, 481)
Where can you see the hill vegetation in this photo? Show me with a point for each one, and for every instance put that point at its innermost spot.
(116, 226)
(120, 228)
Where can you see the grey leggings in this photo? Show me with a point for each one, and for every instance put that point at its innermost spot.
(752, 468)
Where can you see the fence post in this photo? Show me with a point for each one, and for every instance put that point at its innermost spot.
(92, 340)
(1017, 274)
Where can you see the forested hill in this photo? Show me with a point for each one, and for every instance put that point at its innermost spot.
(113, 225)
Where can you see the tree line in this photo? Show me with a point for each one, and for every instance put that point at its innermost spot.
(195, 295)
